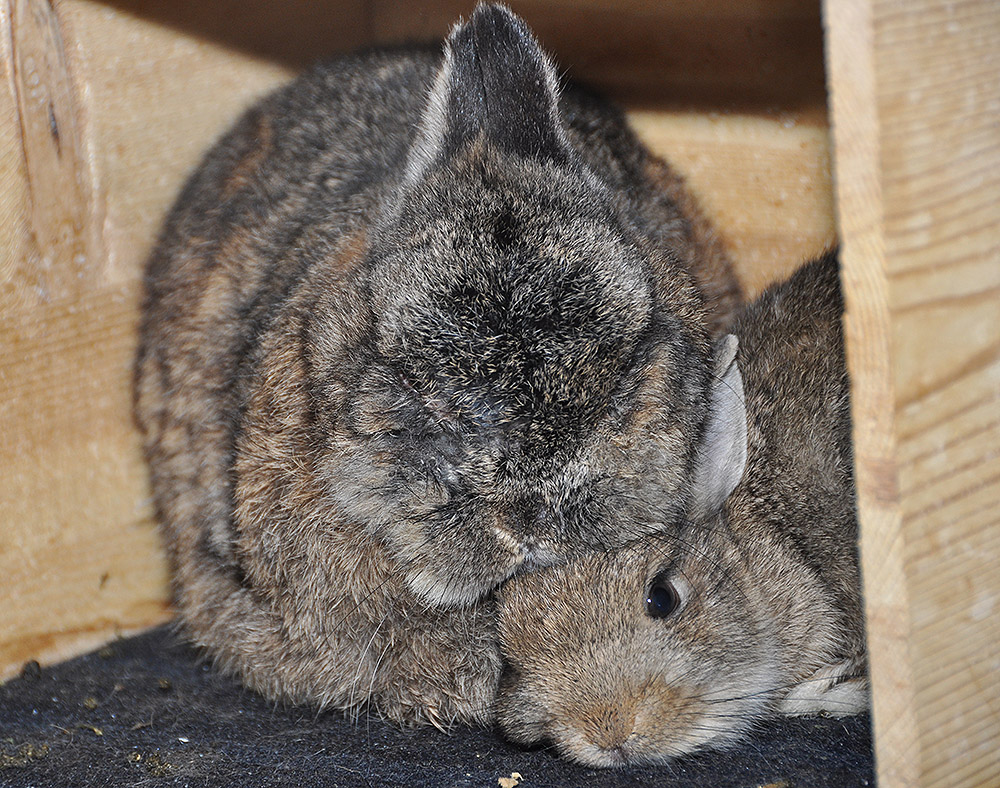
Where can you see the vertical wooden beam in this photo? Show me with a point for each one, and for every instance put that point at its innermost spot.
(915, 91)
(62, 241)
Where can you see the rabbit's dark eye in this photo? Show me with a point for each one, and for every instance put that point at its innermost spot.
(662, 598)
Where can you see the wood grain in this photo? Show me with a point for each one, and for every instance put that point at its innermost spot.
(14, 206)
(764, 179)
(916, 111)
(58, 201)
(79, 209)
(139, 89)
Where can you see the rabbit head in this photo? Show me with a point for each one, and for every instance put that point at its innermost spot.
(520, 387)
(641, 655)
(683, 641)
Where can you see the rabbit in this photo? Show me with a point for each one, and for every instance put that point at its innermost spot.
(418, 322)
(679, 643)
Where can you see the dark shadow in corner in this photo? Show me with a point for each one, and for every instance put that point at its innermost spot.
(719, 56)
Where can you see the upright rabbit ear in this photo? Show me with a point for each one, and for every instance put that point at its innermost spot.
(722, 455)
(495, 81)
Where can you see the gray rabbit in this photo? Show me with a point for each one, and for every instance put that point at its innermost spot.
(682, 642)
(417, 323)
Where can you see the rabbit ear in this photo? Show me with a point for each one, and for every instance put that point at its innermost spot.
(722, 455)
(495, 81)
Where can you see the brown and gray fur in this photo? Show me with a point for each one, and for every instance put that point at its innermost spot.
(768, 616)
(417, 322)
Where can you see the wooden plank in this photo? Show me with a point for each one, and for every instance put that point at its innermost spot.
(916, 118)
(59, 222)
(78, 551)
(764, 179)
(290, 33)
(147, 131)
(14, 206)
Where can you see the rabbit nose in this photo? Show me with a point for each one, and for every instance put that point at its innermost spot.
(608, 728)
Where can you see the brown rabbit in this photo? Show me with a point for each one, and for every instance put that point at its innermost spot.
(416, 323)
(674, 644)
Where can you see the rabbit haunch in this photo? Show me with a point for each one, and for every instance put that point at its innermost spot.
(682, 642)
(418, 322)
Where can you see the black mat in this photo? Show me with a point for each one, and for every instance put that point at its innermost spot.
(146, 712)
